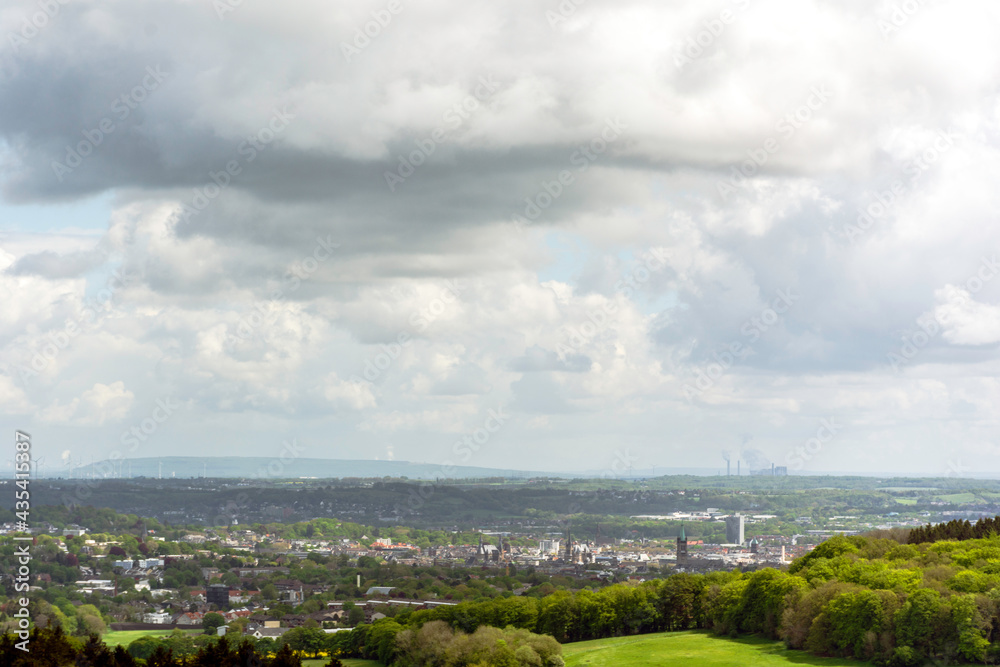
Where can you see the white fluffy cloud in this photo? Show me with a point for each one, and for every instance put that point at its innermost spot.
(812, 178)
(99, 404)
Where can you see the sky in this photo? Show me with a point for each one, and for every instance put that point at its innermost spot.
(527, 235)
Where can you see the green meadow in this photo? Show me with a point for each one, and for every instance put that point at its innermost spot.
(126, 637)
(692, 648)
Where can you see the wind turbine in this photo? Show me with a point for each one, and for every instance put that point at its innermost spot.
(38, 466)
(74, 467)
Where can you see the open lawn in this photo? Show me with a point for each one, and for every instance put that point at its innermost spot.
(126, 637)
(958, 498)
(693, 648)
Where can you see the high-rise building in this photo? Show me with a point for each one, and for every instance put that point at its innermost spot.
(734, 529)
(548, 547)
(218, 594)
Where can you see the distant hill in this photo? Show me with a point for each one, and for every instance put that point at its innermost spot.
(274, 468)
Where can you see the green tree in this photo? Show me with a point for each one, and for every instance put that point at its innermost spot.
(306, 640)
(916, 621)
(211, 621)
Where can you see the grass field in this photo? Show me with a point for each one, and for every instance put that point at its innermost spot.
(693, 648)
(958, 498)
(906, 501)
(126, 637)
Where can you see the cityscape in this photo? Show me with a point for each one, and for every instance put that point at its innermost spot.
(525, 334)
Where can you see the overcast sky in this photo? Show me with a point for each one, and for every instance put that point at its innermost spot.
(634, 231)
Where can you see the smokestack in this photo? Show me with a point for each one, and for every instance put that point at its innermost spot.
(727, 468)
(737, 468)
(772, 470)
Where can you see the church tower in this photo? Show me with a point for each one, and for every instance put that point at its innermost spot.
(682, 547)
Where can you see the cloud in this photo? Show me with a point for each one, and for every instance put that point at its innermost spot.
(99, 404)
(344, 393)
(247, 160)
(967, 321)
(536, 359)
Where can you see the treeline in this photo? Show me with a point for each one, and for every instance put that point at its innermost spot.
(386, 640)
(50, 647)
(955, 530)
(421, 641)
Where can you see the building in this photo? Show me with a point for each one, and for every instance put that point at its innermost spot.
(217, 594)
(682, 548)
(548, 547)
(487, 553)
(270, 633)
(734, 529)
(159, 618)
